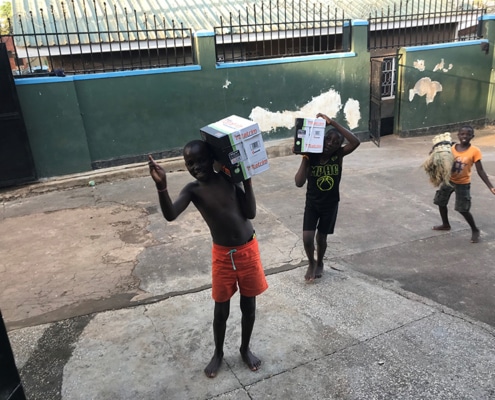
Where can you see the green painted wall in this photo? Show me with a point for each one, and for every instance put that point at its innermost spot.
(464, 80)
(77, 123)
(488, 32)
(55, 128)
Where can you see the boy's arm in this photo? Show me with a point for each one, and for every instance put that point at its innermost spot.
(302, 172)
(247, 199)
(484, 176)
(352, 141)
(170, 210)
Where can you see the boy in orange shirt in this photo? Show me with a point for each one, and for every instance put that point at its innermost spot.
(465, 155)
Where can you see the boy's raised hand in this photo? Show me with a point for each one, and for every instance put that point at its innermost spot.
(157, 173)
(327, 119)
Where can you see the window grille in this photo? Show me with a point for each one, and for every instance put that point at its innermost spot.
(441, 22)
(388, 78)
(289, 30)
(55, 43)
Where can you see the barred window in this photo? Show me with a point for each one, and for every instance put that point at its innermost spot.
(388, 78)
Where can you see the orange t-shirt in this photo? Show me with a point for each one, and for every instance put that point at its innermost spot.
(463, 162)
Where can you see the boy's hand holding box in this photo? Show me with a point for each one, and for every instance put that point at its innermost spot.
(309, 135)
(238, 146)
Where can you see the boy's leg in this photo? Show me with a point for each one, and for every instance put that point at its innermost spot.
(221, 314)
(248, 309)
(463, 206)
(441, 199)
(309, 248)
(310, 221)
(475, 232)
(326, 226)
(321, 248)
(444, 215)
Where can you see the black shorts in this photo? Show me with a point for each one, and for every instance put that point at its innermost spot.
(462, 196)
(321, 218)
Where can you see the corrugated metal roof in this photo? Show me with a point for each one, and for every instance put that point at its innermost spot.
(118, 21)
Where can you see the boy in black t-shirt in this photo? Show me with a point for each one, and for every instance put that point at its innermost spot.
(322, 172)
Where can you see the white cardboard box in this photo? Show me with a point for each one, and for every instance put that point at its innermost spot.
(238, 146)
(309, 135)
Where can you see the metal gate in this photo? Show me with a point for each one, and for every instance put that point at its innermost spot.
(375, 100)
(16, 163)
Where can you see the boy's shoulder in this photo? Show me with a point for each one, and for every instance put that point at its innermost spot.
(474, 148)
(217, 179)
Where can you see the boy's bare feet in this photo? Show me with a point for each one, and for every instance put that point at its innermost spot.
(214, 365)
(475, 237)
(319, 271)
(310, 272)
(251, 360)
(441, 228)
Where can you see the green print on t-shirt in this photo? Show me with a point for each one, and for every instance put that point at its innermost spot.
(324, 174)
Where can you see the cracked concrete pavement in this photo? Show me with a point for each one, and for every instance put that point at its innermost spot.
(104, 299)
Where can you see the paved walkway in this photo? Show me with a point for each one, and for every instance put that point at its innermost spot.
(104, 299)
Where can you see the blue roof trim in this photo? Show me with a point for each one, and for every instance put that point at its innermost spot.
(285, 60)
(360, 22)
(444, 45)
(203, 33)
(120, 74)
(48, 79)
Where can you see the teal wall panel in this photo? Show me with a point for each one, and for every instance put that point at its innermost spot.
(452, 88)
(90, 121)
(79, 123)
(54, 125)
(488, 32)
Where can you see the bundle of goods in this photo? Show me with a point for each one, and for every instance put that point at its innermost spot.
(438, 166)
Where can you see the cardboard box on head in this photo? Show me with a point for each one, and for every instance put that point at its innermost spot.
(237, 146)
(309, 135)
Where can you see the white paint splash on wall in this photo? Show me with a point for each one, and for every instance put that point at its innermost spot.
(328, 103)
(441, 66)
(227, 84)
(425, 87)
(419, 65)
(352, 113)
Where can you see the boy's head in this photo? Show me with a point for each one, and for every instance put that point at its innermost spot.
(466, 133)
(333, 141)
(198, 159)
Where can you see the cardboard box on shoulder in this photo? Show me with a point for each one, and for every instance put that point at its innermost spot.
(309, 135)
(238, 146)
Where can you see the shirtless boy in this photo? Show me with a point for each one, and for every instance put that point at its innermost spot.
(227, 209)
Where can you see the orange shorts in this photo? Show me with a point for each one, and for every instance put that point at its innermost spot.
(240, 265)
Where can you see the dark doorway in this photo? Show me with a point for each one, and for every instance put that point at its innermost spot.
(387, 126)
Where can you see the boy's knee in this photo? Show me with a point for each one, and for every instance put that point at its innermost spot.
(222, 311)
(248, 305)
(321, 238)
(308, 239)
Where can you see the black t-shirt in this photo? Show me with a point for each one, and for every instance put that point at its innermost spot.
(324, 179)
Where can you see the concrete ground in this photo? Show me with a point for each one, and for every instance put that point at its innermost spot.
(104, 299)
